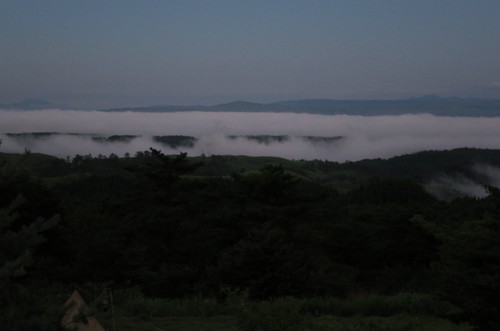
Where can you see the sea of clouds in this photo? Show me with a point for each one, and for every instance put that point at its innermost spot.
(363, 136)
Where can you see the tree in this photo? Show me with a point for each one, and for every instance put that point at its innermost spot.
(468, 273)
(16, 246)
(166, 170)
(16, 257)
(265, 263)
(272, 185)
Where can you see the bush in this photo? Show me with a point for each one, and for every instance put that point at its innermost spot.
(377, 305)
(277, 315)
(402, 322)
(163, 307)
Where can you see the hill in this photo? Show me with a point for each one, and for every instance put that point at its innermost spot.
(32, 104)
(469, 107)
(251, 243)
(431, 104)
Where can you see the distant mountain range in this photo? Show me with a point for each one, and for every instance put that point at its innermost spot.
(431, 104)
(32, 104)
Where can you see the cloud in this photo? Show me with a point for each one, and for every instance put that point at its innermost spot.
(488, 175)
(449, 187)
(363, 137)
(496, 84)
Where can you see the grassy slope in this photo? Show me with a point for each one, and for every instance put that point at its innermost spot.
(54, 170)
(323, 323)
(403, 311)
(329, 173)
(342, 176)
(29, 160)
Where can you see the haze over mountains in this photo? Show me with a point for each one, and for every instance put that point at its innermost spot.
(430, 104)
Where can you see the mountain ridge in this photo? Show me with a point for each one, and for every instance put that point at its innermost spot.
(431, 104)
(435, 105)
(32, 104)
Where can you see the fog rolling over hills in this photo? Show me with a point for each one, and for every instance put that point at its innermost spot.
(288, 135)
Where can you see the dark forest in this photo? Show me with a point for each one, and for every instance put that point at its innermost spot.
(253, 243)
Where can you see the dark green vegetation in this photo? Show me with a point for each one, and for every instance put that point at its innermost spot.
(172, 141)
(269, 139)
(245, 243)
(263, 139)
(115, 138)
(44, 135)
(176, 141)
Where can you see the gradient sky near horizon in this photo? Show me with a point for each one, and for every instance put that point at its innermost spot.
(128, 53)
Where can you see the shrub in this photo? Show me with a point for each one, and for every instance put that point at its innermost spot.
(162, 307)
(377, 305)
(277, 315)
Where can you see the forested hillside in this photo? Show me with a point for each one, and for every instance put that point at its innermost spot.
(325, 245)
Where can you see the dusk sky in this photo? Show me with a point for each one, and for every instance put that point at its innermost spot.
(130, 53)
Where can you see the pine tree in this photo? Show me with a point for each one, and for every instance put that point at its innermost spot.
(16, 256)
(16, 246)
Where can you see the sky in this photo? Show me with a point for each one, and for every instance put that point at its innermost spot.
(97, 54)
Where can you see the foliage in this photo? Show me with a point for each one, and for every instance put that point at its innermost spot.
(401, 322)
(379, 305)
(317, 236)
(405, 311)
(278, 315)
(16, 258)
(17, 245)
(469, 270)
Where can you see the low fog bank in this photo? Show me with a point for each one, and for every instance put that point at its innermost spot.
(448, 187)
(362, 137)
(63, 145)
